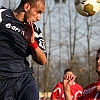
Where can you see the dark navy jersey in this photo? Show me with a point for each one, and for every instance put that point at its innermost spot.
(13, 47)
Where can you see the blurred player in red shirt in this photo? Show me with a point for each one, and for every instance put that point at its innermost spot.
(90, 92)
(58, 91)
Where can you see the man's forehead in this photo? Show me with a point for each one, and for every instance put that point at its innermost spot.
(40, 6)
(69, 72)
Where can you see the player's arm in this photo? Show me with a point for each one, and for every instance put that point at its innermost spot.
(38, 54)
(66, 86)
(67, 82)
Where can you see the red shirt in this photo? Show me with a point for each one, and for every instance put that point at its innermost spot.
(90, 92)
(58, 92)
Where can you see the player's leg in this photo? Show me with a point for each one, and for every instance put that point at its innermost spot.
(29, 90)
(8, 89)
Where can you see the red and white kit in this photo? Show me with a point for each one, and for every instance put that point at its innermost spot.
(58, 92)
(90, 92)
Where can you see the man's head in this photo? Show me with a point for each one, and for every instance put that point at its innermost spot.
(98, 62)
(68, 70)
(68, 77)
(32, 9)
(67, 73)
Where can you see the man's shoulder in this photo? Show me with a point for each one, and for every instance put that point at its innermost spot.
(5, 13)
(58, 87)
(59, 84)
(3, 9)
(93, 84)
(76, 86)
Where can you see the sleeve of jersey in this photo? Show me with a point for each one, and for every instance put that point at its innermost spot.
(39, 39)
(78, 94)
(56, 92)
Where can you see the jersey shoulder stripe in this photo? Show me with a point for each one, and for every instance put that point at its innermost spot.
(2, 9)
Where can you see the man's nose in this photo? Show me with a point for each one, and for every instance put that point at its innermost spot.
(38, 17)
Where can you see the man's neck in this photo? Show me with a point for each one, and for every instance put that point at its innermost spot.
(19, 14)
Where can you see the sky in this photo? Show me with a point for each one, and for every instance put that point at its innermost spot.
(1, 1)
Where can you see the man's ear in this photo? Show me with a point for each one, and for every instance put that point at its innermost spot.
(26, 6)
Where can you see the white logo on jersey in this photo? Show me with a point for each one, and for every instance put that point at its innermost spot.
(14, 28)
(86, 91)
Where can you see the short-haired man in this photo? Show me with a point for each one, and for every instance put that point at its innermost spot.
(58, 92)
(19, 38)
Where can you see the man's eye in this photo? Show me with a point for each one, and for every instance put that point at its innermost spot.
(39, 12)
